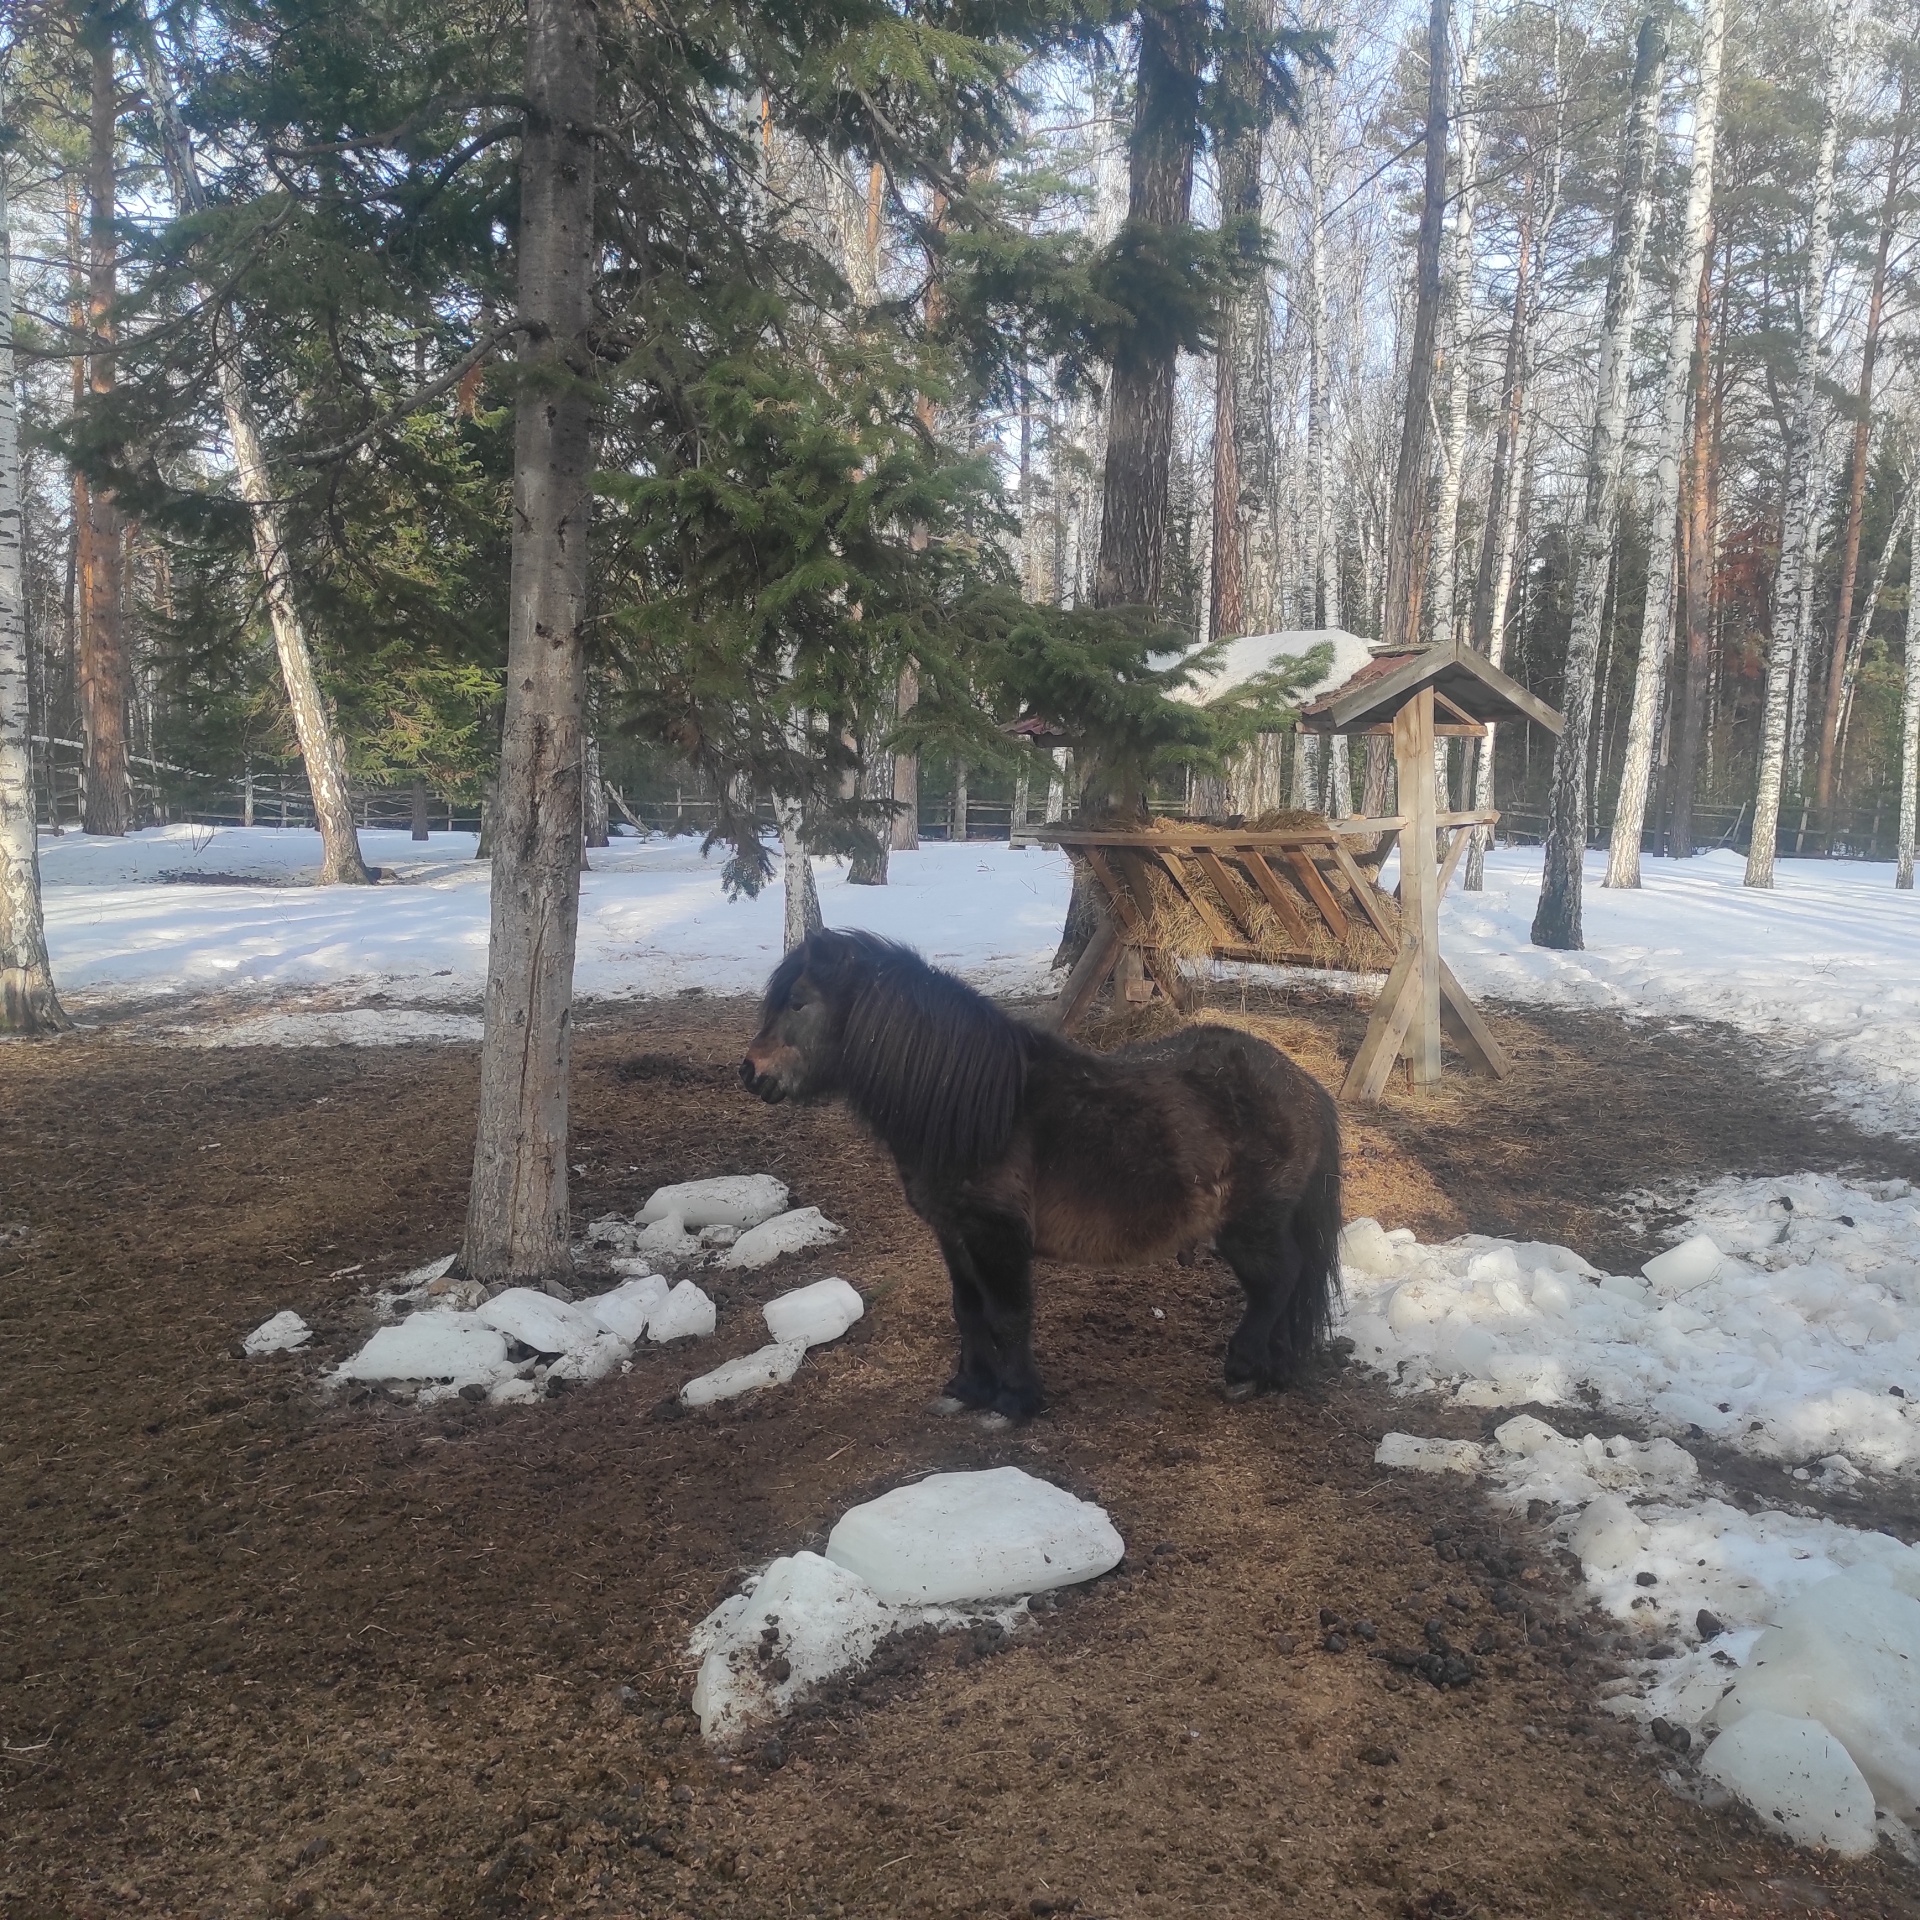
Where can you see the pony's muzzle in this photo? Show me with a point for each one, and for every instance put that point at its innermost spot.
(761, 1085)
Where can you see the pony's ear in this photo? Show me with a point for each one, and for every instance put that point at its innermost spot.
(830, 957)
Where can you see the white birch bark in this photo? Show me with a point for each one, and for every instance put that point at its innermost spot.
(796, 874)
(1556, 922)
(1863, 625)
(1793, 576)
(340, 861)
(28, 1003)
(1656, 620)
(1445, 562)
(1909, 724)
(1326, 572)
(1057, 787)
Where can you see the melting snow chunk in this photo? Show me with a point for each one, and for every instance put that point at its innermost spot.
(667, 1239)
(594, 1361)
(1691, 1264)
(820, 1619)
(1798, 1778)
(784, 1233)
(1406, 1450)
(454, 1347)
(537, 1320)
(814, 1315)
(733, 1200)
(971, 1536)
(626, 1310)
(281, 1334)
(770, 1366)
(686, 1313)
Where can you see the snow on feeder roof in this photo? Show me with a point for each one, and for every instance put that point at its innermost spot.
(1252, 654)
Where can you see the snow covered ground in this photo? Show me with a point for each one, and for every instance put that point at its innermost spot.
(191, 913)
(1823, 966)
(1785, 1325)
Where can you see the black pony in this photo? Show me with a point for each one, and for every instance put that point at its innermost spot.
(1013, 1142)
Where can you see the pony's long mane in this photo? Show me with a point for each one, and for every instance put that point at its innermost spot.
(933, 1067)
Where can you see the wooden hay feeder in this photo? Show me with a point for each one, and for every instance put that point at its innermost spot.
(1417, 697)
(1293, 895)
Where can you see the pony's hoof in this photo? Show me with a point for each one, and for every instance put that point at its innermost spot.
(1238, 1390)
(946, 1405)
(991, 1422)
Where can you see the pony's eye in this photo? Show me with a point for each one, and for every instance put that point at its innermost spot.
(795, 1001)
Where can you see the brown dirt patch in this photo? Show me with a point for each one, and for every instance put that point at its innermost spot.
(262, 1654)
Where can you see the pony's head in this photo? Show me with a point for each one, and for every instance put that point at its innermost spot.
(933, 1068)
(796, 1053)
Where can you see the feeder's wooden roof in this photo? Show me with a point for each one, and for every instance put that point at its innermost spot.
(1469, 692)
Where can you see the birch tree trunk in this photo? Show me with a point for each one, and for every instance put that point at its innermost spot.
(340, 861)
(1799, 526)
(796, 874)
(1445, 562)
(906, 771)
(1697, 589)
(1400, 620)
(1862, 446)
(1326, 569)
(1656, 619)
(517, 1204)
(1909, 723)
(28, 1003)
(596, 828)
(104, 677)
(1556, 921)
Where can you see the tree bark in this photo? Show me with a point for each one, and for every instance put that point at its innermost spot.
(1326, 570)
(1697, 591)
(340, 861)
(1857, 471)
(1400, 614)
(1556, 921)
(802, 894)
(517, 1204)
(1130, 571)
(906, 772)
(1799, 523)
(1656, 619)
(1909, 721)
(1445, 563)
(419, 805)
(595, 825)
(28, 1003)
(103, 656)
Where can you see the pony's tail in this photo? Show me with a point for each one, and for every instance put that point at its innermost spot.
(1316, 1234)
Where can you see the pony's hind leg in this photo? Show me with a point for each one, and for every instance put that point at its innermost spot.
(994, 1250)
(1265, 1258)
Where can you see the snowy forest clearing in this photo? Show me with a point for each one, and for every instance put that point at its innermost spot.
(1821, 969)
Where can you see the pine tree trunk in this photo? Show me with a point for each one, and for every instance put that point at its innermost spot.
(906, 772)
(419, 805)
(1407, 519)
(957, 817)
(340, 861)
(597, 827)
(517, 1204)
(28, 1003)
(103, 659)
(1656, 619)
(1857, 470)
(1909, 721)
(1799, 525)
(1445, 562)
(1136, 490)
(1556, 921)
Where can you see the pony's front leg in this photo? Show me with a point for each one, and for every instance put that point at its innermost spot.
(975, 1382)
(997, 1251)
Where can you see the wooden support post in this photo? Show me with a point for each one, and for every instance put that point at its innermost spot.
(1419, 896)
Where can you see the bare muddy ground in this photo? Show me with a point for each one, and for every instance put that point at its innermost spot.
(262, 1653)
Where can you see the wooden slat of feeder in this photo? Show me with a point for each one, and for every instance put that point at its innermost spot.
(1308, 875)
(1465, 1028)
(1233, 896)
(1276, 895)
(1368, 895)
(1153, 956)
